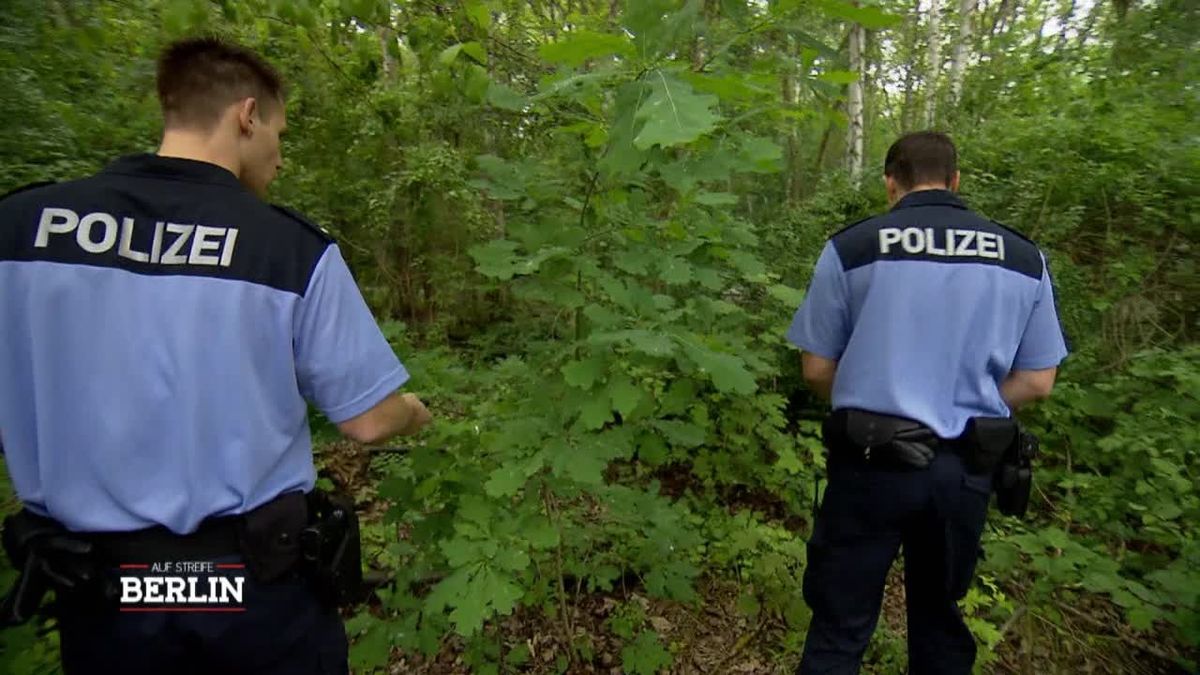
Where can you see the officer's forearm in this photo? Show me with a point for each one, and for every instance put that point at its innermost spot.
(819, 373)
(1025, 386)
(398, 414)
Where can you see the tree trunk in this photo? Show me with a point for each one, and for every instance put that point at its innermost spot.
(935, 62)
(389, 61)
(854, 140)
(788, 94)
(908, 114)
(958, 62)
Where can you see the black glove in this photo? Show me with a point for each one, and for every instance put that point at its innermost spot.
(914, 447)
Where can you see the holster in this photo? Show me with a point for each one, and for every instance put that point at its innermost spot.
(985, 442)
(331, 549)
(1013, 480)
(269, 536)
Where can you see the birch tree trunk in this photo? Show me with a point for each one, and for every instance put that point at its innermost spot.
(912, 29)
(854, 141)
(958, 62)
(935, 62)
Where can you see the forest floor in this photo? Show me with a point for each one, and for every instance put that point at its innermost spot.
(714, 637)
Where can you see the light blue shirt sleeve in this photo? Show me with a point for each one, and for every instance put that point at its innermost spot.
(1042, 344)
(822, 324)
(344, 365)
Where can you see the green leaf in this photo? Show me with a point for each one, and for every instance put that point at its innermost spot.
(645, 656)
(838, 76)
(577, 463)
(625, 395)
(747, 263)
(479, 14)
(373, 649)
(581, 45)
(675, 271)
(622, 156)
(460, 552)
(729, 87)
(505, 97)
(673, 581)
(651, 449)
(596, 411)
(542, 535)
(680, 395)
(674, 114)
(867, 16)
(684, 434)
(449, 54)
(495, 259)
(788, 296)
(476, 593)
(728, 372)
(583, 374)
(505, 481)
(789, 462)
(659, 25)
(634, 261)
(644, 341)
(476, 52)
(759, 154)
(1143, 618)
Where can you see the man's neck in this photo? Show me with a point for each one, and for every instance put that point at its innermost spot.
(201, 147)
(916, 188)
(925, 186)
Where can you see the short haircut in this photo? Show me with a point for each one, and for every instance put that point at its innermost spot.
(921, 157)
(198, 78)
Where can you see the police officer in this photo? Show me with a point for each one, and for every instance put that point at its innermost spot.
(921, 325)
(163, 329)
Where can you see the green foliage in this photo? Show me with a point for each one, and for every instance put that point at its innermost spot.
(585, 233)
(645, 655)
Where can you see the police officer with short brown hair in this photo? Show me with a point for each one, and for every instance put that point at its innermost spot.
(926, 326)
(164, 331)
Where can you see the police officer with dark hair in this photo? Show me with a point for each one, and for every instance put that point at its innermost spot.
(163, 330)
(926, 326)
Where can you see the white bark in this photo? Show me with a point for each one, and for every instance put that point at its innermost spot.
(854, 142)
(958, 62)
(935, 62)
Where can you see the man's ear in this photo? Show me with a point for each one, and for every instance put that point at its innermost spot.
(248, 114)
(954, 182)
(893, 190)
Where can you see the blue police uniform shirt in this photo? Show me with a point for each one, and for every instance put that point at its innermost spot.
(161, 331)
(926, 309)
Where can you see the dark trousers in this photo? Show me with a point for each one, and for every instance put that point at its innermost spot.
(284, 631)
(938, 515)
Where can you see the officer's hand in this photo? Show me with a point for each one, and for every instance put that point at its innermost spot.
(419, 415)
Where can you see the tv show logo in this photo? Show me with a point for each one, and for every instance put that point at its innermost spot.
(182, 586)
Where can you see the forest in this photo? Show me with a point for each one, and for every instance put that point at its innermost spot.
(585, 225)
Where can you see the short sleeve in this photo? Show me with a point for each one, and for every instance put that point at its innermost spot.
(344, 365)
(1042, 344)
(822, 324)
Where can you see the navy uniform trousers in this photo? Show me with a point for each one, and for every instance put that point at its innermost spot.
(284, 631)
(867, 514)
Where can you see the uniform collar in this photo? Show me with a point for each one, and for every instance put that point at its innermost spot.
(930, 198)
(173, 168)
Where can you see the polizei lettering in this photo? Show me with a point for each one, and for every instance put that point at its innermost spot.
(947, 242)
(173, 243)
